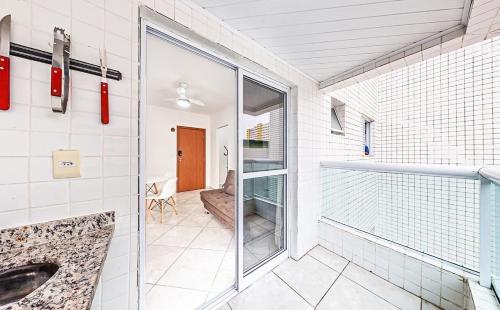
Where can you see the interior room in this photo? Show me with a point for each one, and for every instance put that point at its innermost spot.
(190, 164)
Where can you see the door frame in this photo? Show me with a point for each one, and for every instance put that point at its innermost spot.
(153, 23)
(268, 264)
(204, 154)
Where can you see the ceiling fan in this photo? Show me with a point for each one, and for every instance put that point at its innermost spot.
(183, 100)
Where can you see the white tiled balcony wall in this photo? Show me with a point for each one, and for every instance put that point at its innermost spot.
(29, 132)
(439, 111)
(431, 280)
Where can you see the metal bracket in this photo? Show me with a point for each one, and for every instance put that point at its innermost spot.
(59, 88)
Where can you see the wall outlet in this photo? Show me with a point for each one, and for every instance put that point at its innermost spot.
(66, 164)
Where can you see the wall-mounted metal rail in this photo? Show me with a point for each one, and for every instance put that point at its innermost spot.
(467, 172)
(74, 64)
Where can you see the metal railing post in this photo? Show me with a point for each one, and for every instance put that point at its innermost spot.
(485, 233)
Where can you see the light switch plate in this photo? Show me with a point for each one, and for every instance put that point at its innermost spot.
(66, 164)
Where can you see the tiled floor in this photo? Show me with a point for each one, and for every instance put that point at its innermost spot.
(322, 280)
(189, 258)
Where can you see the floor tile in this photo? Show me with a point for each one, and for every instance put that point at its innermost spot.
(212, 239)
(223, 307)
(198, 219)
(158, 259)
(428, 306)
(215, 223)
(308, 277)
(154, 231)
(268, 293)
(384, 289)
(226, 274)
(194, 269)
(163, 297)
(328, 258)
(169, 218)
(347, 295)
(180, 236)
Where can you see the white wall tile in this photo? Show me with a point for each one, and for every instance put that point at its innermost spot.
(44, 120)
(49, 213)
(49, 193)
(116, 146)
(86, 123)
(48, 16)
(43, 144)
(85, 207)
(122, 8)
(41, 169)
(13, 218)
(17, 117)
(88, 12)
(20, 91)
(116, 186)
(14, 143)
(14, 170)
(89, 145)
(91, 167)
(13, 197)
(86, 189)
(116, 166)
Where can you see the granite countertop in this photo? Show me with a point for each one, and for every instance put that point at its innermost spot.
(78, 245)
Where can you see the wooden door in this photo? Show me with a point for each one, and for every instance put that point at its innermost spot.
(190, 158)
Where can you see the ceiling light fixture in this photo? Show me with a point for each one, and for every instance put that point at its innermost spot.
(183, 103)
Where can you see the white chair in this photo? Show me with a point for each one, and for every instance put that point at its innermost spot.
(166, 196)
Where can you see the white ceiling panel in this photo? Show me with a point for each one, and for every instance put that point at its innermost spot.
(325, 38)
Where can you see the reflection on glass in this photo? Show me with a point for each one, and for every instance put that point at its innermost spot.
(263, 219)
(263, 122)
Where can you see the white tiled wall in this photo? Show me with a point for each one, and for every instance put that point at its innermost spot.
(438, 111)
(29, 132)
(442, 110)
(429, 279)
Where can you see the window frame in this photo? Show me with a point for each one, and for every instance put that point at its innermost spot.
(334, 113)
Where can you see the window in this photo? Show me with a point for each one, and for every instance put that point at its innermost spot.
(367, 141)
(337, 112)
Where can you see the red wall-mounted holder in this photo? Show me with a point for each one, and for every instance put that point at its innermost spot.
(4, 83)
(104, 103)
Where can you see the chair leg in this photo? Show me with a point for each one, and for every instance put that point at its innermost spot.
(148, 211)
(171, 202)
(161, 210)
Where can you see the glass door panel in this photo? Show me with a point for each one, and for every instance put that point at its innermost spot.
(263, 122)
(263, 156)
(263, 222)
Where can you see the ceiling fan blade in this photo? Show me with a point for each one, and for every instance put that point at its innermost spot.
(197, 102)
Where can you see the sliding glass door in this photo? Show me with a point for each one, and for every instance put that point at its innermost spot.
(263, 166)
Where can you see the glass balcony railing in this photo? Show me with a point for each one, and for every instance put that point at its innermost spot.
(442, 211)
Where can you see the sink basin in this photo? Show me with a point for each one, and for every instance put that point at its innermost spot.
(18, 282)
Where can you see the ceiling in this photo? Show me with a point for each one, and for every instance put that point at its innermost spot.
(208, 81)
(324, 38)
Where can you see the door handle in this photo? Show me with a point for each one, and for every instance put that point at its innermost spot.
(179, 155)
